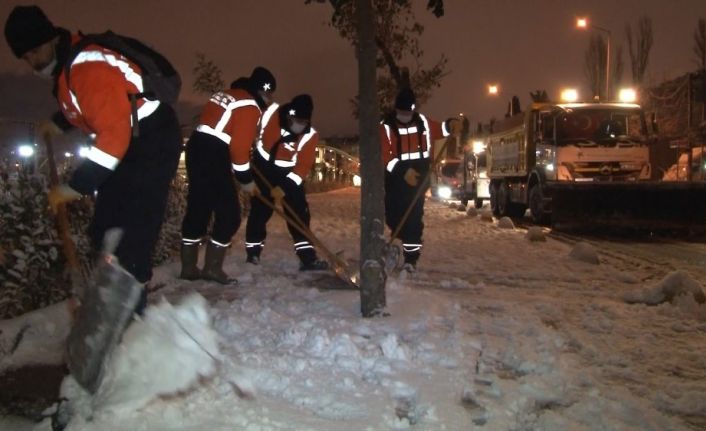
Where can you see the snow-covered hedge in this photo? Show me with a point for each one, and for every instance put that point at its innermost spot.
(31, 262)
(170, 236)
(33, 269)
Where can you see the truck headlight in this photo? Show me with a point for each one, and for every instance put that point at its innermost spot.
(444, 192)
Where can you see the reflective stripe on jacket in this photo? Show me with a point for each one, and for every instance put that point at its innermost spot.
(299, 154)
(98, 102)
(413, 143)
(232, 116)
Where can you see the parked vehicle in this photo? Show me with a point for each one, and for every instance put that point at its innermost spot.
(446, 179)
(582, 165)
(474, 181)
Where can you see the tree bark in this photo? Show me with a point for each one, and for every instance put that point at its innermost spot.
(372, 209)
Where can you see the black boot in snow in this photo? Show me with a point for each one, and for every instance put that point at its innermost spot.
(253, 254)
(314, 265)
(213, 268)
(309, 261)
(410, 260)
(189, 261)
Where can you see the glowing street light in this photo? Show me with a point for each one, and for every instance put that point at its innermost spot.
(582, 23)
(25, 151)
(627, 95)
(478, 147)
(569, 95)
(493, 89)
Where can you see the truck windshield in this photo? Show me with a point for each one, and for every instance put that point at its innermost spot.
(590, 127)
(449, 169)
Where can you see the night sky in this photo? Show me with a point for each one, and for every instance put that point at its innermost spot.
(523, 45)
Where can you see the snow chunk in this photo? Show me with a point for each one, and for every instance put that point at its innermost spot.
(486, 215)
(669, 289)
(585, 253)
(535, 233)
(392, 349)
(506, 223)
(472, 212)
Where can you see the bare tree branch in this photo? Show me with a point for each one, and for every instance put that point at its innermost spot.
(639, 48)
(700, 44)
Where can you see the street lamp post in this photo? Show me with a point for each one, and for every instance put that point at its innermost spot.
(583, 23)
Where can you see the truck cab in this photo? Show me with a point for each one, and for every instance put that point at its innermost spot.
(592, 142)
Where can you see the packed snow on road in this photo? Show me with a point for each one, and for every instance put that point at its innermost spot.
(499, 329)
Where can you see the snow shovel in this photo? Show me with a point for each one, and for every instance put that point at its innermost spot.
(391, 252)
(339, 266)
(104, 314)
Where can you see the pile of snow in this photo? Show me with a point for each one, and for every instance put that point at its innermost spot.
(677, 288)
(35, 338)
(162, 355)
(585, 252)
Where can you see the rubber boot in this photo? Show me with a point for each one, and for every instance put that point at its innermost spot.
(410, 260)
(189, 261)
(253, 253)
(213, 268)
(309, 261)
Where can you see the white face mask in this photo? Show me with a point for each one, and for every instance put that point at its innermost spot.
(46, 71)
(297, 127)
(404, 118)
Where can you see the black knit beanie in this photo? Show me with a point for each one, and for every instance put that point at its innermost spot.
(27, 28)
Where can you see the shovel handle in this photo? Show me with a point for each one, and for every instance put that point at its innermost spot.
(62, 225)
(339, 266)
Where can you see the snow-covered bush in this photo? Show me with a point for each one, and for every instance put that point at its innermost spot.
(33, 267)
(31, 262)
(170, 236)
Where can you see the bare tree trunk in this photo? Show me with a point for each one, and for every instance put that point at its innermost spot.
(372, 210)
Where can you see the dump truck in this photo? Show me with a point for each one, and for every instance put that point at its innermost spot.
(585, 166)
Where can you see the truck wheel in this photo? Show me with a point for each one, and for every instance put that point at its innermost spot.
(506, 207)
(503, 198)
(536, 204)
(494, 199)
(478, 202)
(464, 198)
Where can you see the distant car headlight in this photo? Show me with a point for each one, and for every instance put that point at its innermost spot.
(357, 180)
(444, 192)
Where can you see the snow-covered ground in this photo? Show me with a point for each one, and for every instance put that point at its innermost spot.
(494, 332)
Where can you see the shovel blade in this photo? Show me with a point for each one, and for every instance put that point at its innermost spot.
(106, 309)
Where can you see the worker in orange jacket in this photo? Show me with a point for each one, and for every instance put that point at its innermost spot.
(128, 175)
(407, 139)
(219, 148)
(283, 157)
